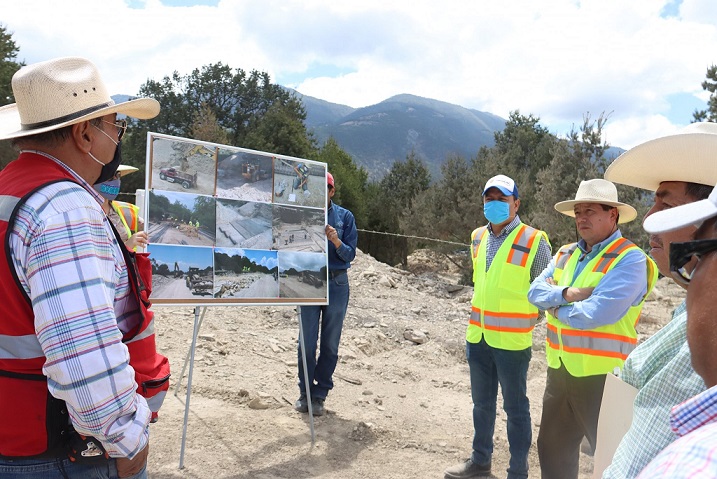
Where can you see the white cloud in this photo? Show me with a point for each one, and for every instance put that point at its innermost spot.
(556, 59)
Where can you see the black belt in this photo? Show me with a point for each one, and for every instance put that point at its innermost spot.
(336, 272)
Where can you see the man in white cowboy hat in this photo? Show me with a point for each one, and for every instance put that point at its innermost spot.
(507, 255)
(680, 169)
(694, 421)
(124, 216)
(593, 292)
(68, 300)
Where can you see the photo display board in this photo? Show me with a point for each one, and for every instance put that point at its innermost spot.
(229, 225)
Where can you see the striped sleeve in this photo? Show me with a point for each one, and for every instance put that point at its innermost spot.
(71, 268)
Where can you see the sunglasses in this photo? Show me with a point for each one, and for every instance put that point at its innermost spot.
(682, 253)
(121, 127)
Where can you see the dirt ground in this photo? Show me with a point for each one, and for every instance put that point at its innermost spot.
(399, 408)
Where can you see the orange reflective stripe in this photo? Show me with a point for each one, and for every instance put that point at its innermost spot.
(609, 257)
(512, 322)
(520, 249)
(505, 315)
(476, 239)
(599, 335)
(564, 255)
(591, 343)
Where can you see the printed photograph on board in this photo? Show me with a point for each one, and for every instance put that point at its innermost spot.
(181, 218)
(245, 273)
(179, 165)
(243, 224)
(302, 275)
(244, 175)
(181, 272)
(299, 182)
(298, 229)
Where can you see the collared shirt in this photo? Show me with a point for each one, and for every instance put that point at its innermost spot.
(343, 222)
(542, 257)
(622, 287)
(70, 265)
(662, 370)
(695, 453)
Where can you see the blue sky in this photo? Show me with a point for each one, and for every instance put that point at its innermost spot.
(260, 257)
(640, 61)
(185, 256)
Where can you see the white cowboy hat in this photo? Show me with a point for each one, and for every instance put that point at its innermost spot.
(680, 216)
(61, 92)
(598, 191)
(126, 170)
(690, 156)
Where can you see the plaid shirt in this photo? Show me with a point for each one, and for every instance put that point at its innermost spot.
(695, 453)
(71, 267)
(662, 371)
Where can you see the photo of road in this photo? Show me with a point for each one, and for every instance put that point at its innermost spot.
(181, 272)
(302, 275)
(244, 175)
(246, 273)
(229, 224)
(181, 218)
(300, 183)
(243, 224)
(298, 229)
(182, 166)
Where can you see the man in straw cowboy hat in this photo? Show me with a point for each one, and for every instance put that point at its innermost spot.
(695, 420)
(593, 292)
(69, 300)
(680, 169)
(507, 255)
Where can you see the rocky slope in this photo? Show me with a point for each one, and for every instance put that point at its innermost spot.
(401, 405)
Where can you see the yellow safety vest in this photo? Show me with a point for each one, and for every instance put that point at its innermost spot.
(129, 214)
(600, 350)
(501, 312)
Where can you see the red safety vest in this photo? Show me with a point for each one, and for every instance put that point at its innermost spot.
(32, 422)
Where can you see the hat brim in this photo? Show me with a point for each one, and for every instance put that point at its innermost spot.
(502, 189)
(11, 127)
(124, 170)
(680, 216)
(688, 157)
(627, 212)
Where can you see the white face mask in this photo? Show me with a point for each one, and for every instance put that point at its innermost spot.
(109, 169)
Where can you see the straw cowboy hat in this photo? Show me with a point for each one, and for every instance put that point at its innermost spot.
(690, 156)
(124, 170)
(598, 191)
(56, 93)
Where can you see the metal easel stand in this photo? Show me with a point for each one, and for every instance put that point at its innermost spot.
(190, 358)
(306, 376)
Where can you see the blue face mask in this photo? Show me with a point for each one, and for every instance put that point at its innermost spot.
(109, 189)
(496, 212)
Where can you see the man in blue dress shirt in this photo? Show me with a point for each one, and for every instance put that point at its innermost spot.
(342, 237)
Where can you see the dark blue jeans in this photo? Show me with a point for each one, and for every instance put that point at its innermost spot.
(488, 368)
(329, 320)
(59, 469)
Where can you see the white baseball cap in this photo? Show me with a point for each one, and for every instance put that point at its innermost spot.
(504, 184)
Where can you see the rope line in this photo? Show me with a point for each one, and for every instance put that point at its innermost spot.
(414, 237)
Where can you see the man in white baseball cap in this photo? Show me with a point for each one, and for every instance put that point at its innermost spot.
(680, 169)
(694, 454)
(593, 292)
(507, 255)
(66, 385)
